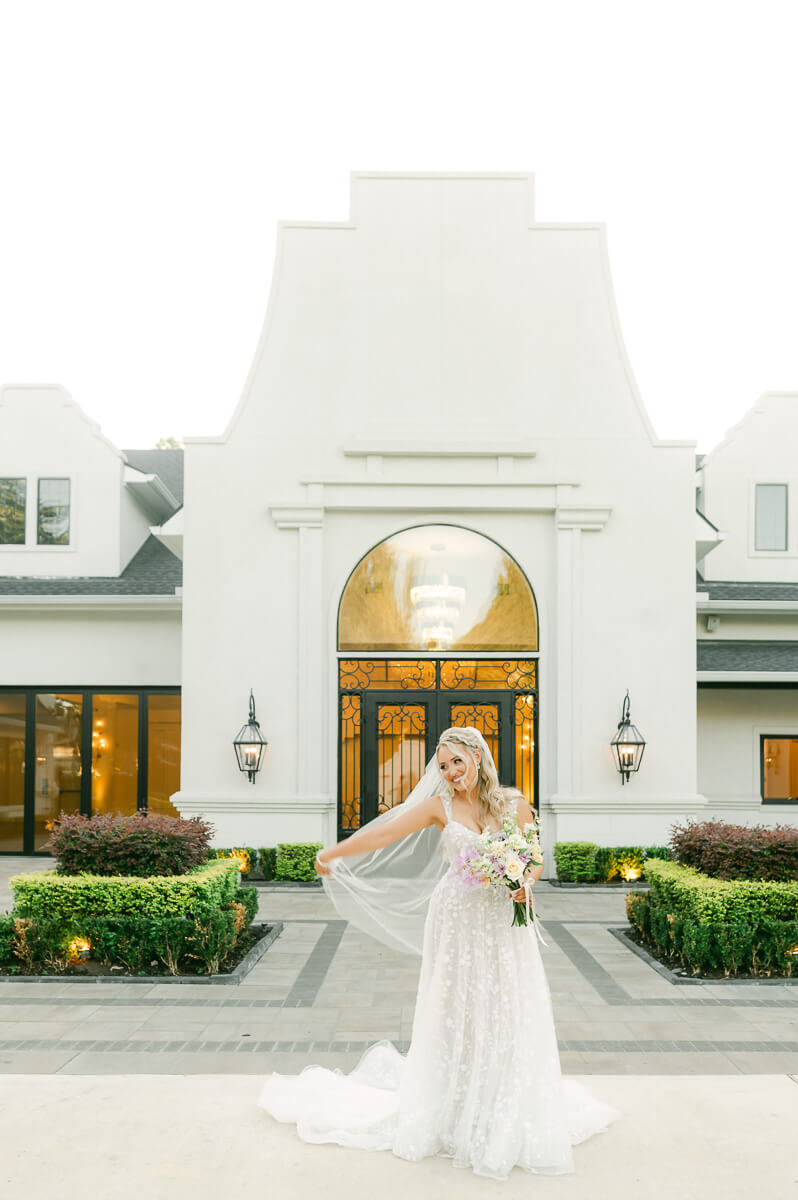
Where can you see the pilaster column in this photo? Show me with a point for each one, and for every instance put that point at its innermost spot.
(311, 740)
(571, 522)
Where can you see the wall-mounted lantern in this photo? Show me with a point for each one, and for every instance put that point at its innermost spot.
(249, 744)
(628, 744)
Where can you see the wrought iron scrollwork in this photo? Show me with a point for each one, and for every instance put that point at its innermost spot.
(416, 675)
(466, 674)
(459, 674)
(398, 738)
(350, 761)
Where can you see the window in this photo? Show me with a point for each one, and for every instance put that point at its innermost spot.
(113, 750)
(115, 753)
(437, 587)
(779, 768)
(53, 524)
(58, 771)
(12, 771)
(163, 759)
(12, 512)
(771, 516)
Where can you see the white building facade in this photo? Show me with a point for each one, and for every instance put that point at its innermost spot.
(440, 501)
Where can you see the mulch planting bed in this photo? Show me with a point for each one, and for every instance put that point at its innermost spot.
(247, 953)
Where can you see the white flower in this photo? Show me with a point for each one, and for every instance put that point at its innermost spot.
(514, 868)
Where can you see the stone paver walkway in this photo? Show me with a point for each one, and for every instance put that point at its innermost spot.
(201, 1137)
(149, 1089)
(324, 992)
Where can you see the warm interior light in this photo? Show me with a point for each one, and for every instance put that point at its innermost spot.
(78, 949)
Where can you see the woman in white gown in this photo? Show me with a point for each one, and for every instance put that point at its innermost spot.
(481, 1082)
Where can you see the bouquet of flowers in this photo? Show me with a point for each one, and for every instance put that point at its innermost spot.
(498, 861)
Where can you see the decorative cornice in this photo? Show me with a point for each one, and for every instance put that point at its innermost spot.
(94, 603)
(750, 677)
(297, 516)
(441, 445)
(589, 517)
(706, 604)
(637, 806)
(220, 805)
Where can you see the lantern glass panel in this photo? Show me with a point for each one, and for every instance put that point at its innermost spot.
(628, 745)
(249, 747)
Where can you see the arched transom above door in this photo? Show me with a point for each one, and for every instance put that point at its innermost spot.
(437, 627)
(438, 588)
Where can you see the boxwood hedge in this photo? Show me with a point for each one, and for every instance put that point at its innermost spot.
(197, 894)
(686, 892)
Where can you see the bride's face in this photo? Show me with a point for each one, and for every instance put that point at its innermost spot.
(457, 766)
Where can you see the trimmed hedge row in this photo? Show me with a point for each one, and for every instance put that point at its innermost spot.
(266, 858)
(179, 945)
(288, 860)
(197, 894)
(689, 893)
(764, 945)
(294, 860)
(586, 862)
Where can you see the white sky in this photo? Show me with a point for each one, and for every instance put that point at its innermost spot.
(147, 151)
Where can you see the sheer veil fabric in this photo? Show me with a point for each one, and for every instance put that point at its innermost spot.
(481, 1082)
(386, 893)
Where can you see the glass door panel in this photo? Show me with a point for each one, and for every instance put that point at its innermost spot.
(58, 763)
(387, 736)
(525, 745)
(484, 717)
(114, 754)
(12, 771)
(401, 751)
(163, 753)
(349, 762)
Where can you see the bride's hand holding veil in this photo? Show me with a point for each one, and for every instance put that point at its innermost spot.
(411, 819)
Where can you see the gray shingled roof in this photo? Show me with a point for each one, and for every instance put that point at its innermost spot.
(167, 464)
(153, 571)
(747, 656)
(728, 589)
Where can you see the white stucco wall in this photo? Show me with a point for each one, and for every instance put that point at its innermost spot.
(88, 645)
(397, 351)
(730, 724)
(45, 434)
(759, 449)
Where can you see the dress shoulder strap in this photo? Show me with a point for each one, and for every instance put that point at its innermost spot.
(446, 801)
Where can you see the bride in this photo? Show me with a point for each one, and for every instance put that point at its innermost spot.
(481, 1082)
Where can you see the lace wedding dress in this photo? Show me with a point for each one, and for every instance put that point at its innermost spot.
(481, 1083)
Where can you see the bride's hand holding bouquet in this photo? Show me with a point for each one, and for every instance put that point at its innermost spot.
(502, 860)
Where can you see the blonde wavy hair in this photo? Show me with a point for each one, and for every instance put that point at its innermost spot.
(491, 796)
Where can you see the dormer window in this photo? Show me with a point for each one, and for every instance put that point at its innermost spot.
(52, 527)
(770, 523)
(12, 512)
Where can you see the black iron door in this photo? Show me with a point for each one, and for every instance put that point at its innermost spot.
(400, 731)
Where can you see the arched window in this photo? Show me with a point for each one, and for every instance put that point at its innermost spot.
(437, 588)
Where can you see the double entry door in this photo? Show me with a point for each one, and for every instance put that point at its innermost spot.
(400, 731)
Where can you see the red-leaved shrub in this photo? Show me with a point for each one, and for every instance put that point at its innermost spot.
(737, 851)
(144, 844)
